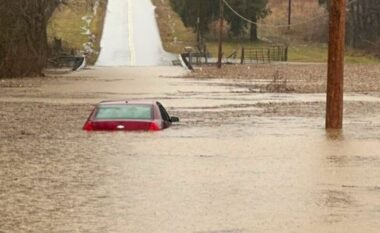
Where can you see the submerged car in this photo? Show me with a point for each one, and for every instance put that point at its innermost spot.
(129, 115)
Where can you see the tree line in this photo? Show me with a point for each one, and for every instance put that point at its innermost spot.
(199, 14)
(363, 18)
(362, 23)
(23, 25)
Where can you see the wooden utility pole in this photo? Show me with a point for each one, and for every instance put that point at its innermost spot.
(289, 14)
(199, 22)
(335, 76)
(220, 50)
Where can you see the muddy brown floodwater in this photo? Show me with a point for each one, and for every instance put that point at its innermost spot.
(238, 162)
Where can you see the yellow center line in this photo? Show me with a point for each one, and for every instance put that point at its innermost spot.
(130, 33)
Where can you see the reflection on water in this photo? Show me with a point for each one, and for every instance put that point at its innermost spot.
(226, 170)
(335, 134)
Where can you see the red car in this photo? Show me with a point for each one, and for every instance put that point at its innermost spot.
(125, 115)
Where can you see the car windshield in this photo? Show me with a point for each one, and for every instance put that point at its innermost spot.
(126, 111)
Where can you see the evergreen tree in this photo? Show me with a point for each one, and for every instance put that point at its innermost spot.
(197, 14)
(250, 9)
(208, 11)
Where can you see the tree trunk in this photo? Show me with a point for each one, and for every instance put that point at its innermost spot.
(23, 38)
(353, 26)
(253, 30)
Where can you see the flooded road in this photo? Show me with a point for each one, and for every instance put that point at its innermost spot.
(238, 162)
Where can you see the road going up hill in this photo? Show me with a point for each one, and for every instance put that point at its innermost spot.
(131, 36)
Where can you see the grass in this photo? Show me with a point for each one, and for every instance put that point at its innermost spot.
(319, 53)
(175, 36)
(314, 53)
(299, 37)
(67, 23)
(307, 53)
(359, 57)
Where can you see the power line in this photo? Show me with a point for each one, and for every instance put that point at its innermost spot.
(267, 25)
(275, 25)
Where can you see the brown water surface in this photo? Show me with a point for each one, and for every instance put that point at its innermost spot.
(238, 162)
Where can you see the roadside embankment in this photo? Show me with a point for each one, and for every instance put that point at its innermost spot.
(78, 26)
(175, 36)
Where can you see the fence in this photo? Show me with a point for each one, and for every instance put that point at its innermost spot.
(201, 56)
(264, 55)
(248, 56)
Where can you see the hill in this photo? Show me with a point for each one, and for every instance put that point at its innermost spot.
(175, 36)
(77, 26)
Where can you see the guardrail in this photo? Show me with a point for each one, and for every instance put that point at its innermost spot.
(74, 62)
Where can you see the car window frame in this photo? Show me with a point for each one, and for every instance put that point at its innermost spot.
(163, 112)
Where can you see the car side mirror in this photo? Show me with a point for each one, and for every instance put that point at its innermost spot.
(174, 119)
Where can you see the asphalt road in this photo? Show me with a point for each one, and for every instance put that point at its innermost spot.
(131, 36)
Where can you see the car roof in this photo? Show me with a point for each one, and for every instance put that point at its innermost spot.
(118, 102)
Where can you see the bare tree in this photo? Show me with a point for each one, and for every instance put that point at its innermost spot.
(23, 36)
(364, 23)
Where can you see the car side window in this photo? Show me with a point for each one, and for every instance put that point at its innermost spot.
(164, 114)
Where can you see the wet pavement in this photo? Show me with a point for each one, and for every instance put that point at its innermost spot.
(238, 162)
(130, 36)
